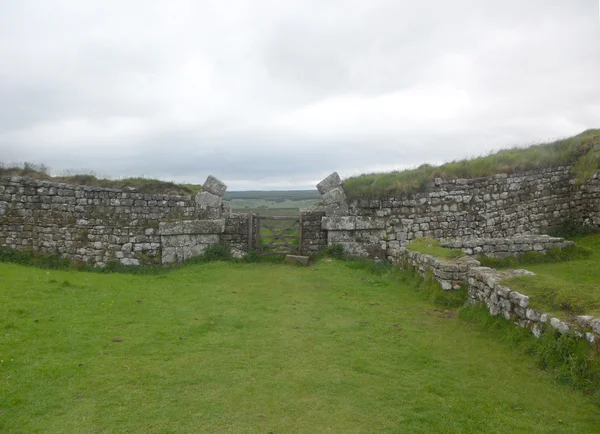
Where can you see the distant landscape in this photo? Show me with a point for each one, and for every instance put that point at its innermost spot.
(272, 202)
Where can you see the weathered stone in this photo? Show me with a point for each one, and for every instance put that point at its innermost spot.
(329, 183)
(559, 325)
(339, 223)
(297, 260)
(130, 261)
(533, 315)
(334, 196)
(214, 186)
(3, 208)
(206, 199)
(216, 226)
(519, 299)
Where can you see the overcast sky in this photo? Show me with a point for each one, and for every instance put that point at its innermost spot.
(278, 94)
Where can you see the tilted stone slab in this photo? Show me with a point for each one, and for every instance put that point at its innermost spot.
(214, 186)
(329, 183)
(192, 227)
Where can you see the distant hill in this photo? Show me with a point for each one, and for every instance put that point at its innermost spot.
(262, 200)
(273, 195)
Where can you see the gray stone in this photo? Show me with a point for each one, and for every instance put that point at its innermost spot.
(335, 195)
(297, 260)
(336, 209)
(130, 261)
(3, 208)
(519, 299)
(329, 183)
(533, 315)
(216, 226)
(205, 199)
(559, 325)
(214, 186)
(338, 223)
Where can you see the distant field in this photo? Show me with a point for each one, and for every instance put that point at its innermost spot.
(273, 196)
(271, 211)
(281, 201)
(248, 204)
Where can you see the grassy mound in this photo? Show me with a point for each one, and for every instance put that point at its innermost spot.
(579, 149)
(140, 184)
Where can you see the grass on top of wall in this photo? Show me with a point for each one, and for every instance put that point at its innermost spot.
(433, 247)
(578, 149)
(140, 184)
(565, 288)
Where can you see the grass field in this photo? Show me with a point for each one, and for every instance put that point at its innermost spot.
(245, 348)
(569, 287)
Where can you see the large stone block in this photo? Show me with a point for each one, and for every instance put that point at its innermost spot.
(329, 183)
(336, 209)
(206, 199)
(214, 186)
(216, 226)
(335, 195)
(338, 223)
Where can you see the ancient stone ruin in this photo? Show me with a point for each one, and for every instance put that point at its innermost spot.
(96, 225)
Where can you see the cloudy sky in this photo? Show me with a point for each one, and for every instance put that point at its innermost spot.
(276, 94)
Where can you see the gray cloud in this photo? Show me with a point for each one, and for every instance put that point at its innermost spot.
(269, 94)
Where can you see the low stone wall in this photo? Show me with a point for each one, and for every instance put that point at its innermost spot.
(484, 286)
(505, 247)
(449, 273)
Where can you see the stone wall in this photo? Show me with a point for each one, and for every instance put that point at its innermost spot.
(498, 206)
(505, 247)
(449, 273)
(484, 285)
(96, 225)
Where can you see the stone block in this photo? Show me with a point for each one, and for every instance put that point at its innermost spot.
(297, 260)
(3, 208)
(216, 226)
(329, 183)
(336, 209)
(205, 199)
(335, 195)
(338, 223)
(214, 186)
(519, 299)
(130, 261)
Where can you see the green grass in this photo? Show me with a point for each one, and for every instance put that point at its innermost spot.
(224, 347)
(565, 288)
(579, 149)
(141, 184)
(433, 247)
